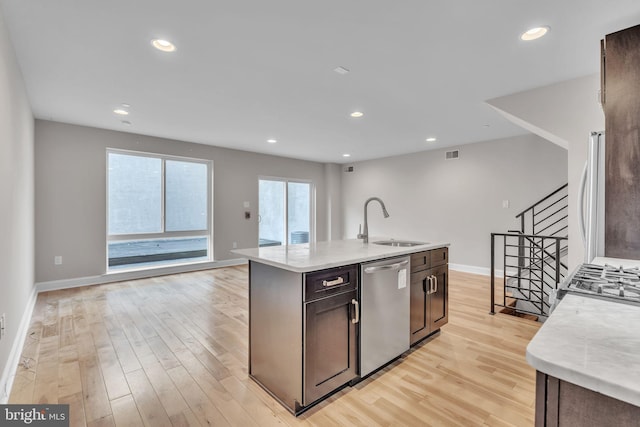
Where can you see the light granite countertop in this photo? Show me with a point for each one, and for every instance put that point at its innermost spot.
(302, 258)
(593, 343)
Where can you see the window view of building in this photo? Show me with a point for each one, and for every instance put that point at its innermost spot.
(158, 210)
(285, 212)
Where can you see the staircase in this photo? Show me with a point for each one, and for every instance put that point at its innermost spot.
(531, 261)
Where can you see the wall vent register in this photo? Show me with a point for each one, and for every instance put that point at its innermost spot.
(452, 155)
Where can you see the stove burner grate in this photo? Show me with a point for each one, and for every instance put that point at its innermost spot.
(606, 281)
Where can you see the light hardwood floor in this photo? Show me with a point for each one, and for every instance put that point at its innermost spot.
(172, 350)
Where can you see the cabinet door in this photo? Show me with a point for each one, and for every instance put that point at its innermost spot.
(438, 309)
(330, 353)
(419, 325)
(622, 121)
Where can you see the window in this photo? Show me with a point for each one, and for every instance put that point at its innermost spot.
(285, 212)
(158, 210)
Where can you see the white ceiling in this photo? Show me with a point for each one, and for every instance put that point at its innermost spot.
(249, 70)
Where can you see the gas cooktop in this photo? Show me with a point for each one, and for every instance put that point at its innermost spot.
(605, 281)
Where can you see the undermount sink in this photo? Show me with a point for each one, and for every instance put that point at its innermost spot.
(400, 243)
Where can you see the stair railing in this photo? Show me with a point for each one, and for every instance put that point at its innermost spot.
(533, 282)
(548, 216)
(531, 256)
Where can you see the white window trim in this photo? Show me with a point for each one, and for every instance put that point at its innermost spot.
(208, 232)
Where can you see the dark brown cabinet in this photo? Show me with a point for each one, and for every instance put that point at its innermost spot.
(429, 293)
(621, 102)
(304, 327)
(302, 332)
(330, 341)
(563, 404)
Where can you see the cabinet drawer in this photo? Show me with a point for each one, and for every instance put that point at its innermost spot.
(320, 284)
(427, 259)
(420, 261)
(439, 256)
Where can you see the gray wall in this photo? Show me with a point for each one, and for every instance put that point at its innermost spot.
(16, 198)
(333, 182)
(570, 112)
(70, 184)
(457, 201)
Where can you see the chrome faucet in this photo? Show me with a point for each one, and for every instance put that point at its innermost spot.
(364, 235)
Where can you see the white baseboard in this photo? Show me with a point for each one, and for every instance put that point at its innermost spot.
(55, 285)
(10, 369)
(483, 271)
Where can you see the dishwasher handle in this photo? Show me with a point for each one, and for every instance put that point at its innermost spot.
(394, 266)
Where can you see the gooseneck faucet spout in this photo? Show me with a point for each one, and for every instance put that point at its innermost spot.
(365, 232)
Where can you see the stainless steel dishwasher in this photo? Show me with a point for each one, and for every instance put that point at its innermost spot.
(384, 312)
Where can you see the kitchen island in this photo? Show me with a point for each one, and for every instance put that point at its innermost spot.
(306, 257)
(305, 322)
(587, 355)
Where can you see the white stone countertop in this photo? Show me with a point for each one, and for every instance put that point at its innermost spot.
(593, 343)
(305, 257)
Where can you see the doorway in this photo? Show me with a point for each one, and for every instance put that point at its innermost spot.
(285, 212)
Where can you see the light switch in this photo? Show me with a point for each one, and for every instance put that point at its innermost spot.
(505, 204)
(247, 205)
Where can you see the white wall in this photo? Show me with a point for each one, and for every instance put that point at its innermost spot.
(457, 201)
(16, 202)
(565, 113)
(71, 191)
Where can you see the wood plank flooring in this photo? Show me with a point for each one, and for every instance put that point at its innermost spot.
(172, 351)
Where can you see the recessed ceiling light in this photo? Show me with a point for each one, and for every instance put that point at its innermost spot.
(431, 139)
(272, 141)
(357, 114)
(163, 45)
(341, 70)
(121, 112)
(346, 155)
(125, 105)
(534, 33)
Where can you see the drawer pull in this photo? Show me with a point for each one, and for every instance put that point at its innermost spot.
(334, 282)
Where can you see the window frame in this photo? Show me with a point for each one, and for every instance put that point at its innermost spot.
(208, 232)
(312, 205)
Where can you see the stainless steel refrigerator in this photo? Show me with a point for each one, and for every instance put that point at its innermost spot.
(591, 199)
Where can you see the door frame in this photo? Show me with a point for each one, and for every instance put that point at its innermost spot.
(312, 205)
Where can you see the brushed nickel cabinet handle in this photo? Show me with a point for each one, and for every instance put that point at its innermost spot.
(357, 309)
(432, 284)
(334, 282)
